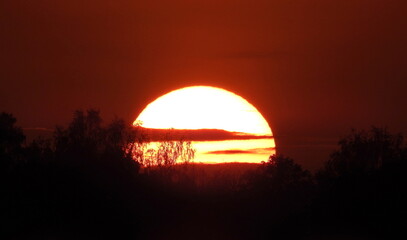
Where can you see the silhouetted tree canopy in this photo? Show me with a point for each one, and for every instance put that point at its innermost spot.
(363, 183)
(281, 173)
(11, 140)
(365, 151)
(86, 181)
(87, 140)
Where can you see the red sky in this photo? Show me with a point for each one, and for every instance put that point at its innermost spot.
(313, 68)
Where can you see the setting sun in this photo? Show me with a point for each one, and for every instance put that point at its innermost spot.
(204, 108)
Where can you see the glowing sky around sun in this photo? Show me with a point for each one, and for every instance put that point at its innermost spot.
(202, 107)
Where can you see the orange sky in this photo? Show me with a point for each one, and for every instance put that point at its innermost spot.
(314, 69)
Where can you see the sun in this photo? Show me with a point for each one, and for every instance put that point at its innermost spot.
(205, 107)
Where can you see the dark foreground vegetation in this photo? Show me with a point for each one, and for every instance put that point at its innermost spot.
(96, 181)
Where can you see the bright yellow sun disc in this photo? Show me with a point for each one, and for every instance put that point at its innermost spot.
(204, 107)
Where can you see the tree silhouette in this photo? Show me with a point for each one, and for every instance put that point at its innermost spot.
(363, 183)
(11, 140)
(280, 174)
(365, 151)
(86, 140)
(110, 181)
(281, 191)
(169, 153)
(89, 174)
(162, 158)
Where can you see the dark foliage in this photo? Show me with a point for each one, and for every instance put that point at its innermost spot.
(74, 184)
(365, 151)
(11, 140)
(363, 185)
(89, 182)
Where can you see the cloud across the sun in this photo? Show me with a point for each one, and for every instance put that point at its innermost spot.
(239, 151)
(197, 135)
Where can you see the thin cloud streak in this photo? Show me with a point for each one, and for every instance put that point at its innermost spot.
(238, 151)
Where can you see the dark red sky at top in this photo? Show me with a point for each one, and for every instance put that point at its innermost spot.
(314, 69)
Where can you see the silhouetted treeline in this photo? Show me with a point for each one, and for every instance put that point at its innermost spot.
(99, 181)
(363, 185)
